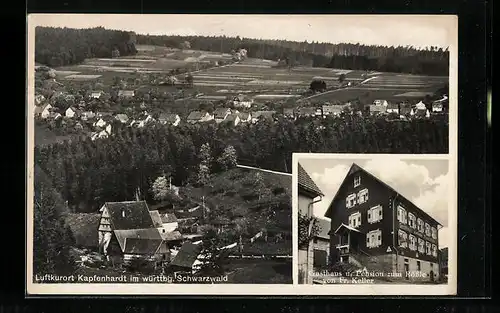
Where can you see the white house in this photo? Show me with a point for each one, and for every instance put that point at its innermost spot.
(126, 93)
(87, 115)
(437, 106)
(169, 118)
(392, 108)
(123, 118)
(100, 123)
(44, 110)
(220, 114)
(233, 119)
(71, 112)
(108, 129)
(199, 116)
(96, 94)
(245, 117)
(242, 102)
(169, 221)
(145, 121)
(381, 102)
(420, 106)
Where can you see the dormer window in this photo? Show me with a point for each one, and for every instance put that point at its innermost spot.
(357, 181)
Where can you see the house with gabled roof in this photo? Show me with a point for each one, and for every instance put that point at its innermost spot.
(374, 226)
(392, 108)
(96, 94)
(245, 117)
(232, 119)
(308, 194)
(121, 117)
(332, 110)
(377, 109)
(39, 99)
(199, 117)
(100, 123)
(43, 111)
(86, 115)
(220, 114)
(242, 101)
(306, 112)
(72, 112)
(169, 118)
(126, 93)
(187, 258)
(263, 115)
(289, 113)
(127, 230)
(169, 222)
(321, 244)
(381, 102)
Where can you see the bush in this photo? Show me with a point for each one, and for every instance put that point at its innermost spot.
(141, 265)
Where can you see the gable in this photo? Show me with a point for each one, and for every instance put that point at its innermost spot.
(306, 183)
(129, 215)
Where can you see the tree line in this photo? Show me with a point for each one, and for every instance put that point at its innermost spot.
(87, 173)
(66, 46)
(403, 59)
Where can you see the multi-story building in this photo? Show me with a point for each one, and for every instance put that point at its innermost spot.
(375, 227)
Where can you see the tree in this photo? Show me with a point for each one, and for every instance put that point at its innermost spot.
(161, 189)
(308, 229)
(341, 78)
(227, 159)
(52, 239)
(189, 79)
(318, 85)
(213, 258)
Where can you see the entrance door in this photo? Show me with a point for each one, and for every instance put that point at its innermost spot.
(431, 274)
(407, 269)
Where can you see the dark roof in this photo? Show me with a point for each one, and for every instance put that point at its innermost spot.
(187, 255)
(324, 228)
(142, 246)
(303, 111)
(421, 112)
(221, 112)
(333, 108)
(288, 111)
(135, 216)
(306, 183)
(196, 115)
(155, 216)
(168, 117)
(356, 168)
(377, 108)
(84, 226)
(231, 118)
(171, 236)
(168, 218)
(195, 212)
(148, 233)
(243, 115)
(392, 106)
(263, 114)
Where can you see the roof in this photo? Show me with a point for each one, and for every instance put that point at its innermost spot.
(187, 255)
(379, 102)
(306, 183)
(125, 93)
(356, 168)
(267, 114)
(419, 112)
(309, 110)
(122, 117)
(196, 115)
(135, 216)
(393, 106)
(171, 236)
(168, 218)
(155, 216)
(83, 226)
(168, 117)
(221, 112)
(142, 246)
(244, 115)
(404, 110)
(231, 118)
(40, 109)
(346, 227)
(288, 111)
(148, 233)
(324, 228)
(333, 108)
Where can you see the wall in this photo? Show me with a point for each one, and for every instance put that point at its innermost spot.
(324, 245)
(305, 256)
(425, 268)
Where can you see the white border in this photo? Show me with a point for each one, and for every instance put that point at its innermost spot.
(33, 289)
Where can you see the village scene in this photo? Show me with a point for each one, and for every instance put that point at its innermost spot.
(172, 154)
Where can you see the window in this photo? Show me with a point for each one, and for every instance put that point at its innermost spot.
(421, 245)
(375, 214)
(427, 230)
(413, 243)
(402, 218)
(418, 266)
(434, 233)
(363, 196)
(412, 220)
(428, 248)
(374, 238)
(350, 201)
(357, 181)
(402, 239)
(355, 220)
(434, 251)
(420, 225)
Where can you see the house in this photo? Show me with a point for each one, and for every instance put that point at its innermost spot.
(55, 115)
(39, 99)
(108, 128)
(306, 112)
(421, 113)
(95, 94)
(169, 222)
(126, 93)
(262, 115)
(420, 106)
(377, 109)
(308, 195)
(169, 118)
(220, 114)
(78, 126)
(321, 244)
(381, 102)
(245, 117)
(241, 101)
(147, 120)
(232, 119)
(373, 226)
(100, 123)
(44, 110)
(199, 116)
(123, 118)
(69, 97)
(72, 112)
(332, 110)
(86, 115)
(127, 230)
(392, 108)
(437, 106)
(187, 258)
(289, 113)
(104, 114)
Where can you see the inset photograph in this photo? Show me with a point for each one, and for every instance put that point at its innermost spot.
(373, 219)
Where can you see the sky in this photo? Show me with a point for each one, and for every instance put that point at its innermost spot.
(424, 182)
(415, 30)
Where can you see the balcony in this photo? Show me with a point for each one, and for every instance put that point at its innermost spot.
(343, 249)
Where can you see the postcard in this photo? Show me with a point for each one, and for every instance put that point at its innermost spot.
(159, 152)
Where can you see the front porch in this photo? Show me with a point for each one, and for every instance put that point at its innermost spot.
(348, 242)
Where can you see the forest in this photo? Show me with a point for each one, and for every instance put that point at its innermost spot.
(65, 46)
(431, 61)
(87, 173)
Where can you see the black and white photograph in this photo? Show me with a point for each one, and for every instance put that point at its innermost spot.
(374, 220)
(160, 146)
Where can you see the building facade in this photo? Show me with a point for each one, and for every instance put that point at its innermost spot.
(375, 227)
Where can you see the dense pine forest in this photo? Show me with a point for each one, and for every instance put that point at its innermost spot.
(87, 173)
(64, 46)
(431, 61)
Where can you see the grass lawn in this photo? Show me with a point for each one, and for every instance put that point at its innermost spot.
(259, 272)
